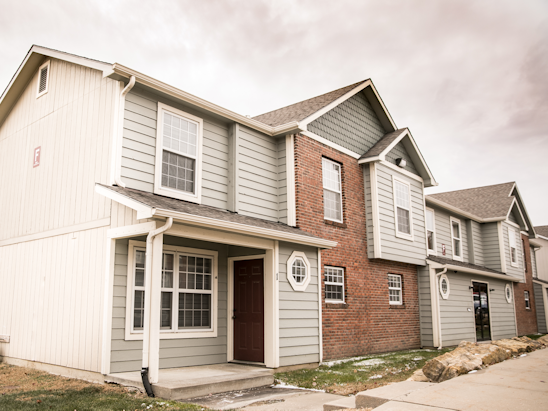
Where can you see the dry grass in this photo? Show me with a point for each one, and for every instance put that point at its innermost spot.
(28, 389)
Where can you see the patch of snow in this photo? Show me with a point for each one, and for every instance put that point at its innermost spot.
(373, 377)
(284, 385)
(523, 355)
(371, 362)
(473, 371)
(418, 358)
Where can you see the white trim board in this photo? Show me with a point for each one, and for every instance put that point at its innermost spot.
(328, 143)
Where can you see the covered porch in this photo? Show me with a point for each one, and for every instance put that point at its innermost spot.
(205, 299)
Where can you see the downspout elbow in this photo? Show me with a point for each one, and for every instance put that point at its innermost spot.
(117, 175)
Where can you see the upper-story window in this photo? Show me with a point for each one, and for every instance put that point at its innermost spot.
(527, 301)
(430, 231)
(332, 190)
(402, 209)
(43, 79)
(178, 167)
(456, 235)
(513, 247)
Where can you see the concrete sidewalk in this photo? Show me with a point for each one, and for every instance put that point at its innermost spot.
(515, 384)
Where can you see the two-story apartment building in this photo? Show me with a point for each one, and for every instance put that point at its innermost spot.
(477, 284)
(539, 257)
(144, 227)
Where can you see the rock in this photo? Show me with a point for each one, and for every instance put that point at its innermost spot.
(514, 345)
(489, 353)
(543, 340)
(419, 376)
(536, 345)
(451, 364)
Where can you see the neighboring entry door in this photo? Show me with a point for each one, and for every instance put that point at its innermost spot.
(481, 311)
(248, 314)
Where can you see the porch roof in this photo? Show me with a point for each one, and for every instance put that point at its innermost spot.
(469, 268)
(150, 205)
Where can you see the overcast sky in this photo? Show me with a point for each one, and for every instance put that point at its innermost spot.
(469, 78)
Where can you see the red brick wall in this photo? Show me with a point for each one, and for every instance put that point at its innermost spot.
(526, 318)
(366, 323)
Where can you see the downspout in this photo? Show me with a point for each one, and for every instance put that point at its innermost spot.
(148, 297)
(119, 133)
(438, 303)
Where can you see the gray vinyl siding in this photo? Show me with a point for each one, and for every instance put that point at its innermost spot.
(478, 244)
(139, 147)
(491, 249)
(533, 262)
(127, 355)
(282, 181)
(540, 295)
(368, 210)
(392, 247)
(425, 307)
(517, 272)
(512, 218)
(257, 174)
(353, 125)
(458, 324)
(399, 151)
(443, 234)
(299, 312)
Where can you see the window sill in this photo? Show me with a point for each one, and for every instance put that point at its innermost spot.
(335, 223)
(175, 335)
(335, 305)
(404, 236)
(397, 306)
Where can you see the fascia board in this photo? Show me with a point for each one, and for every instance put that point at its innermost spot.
(245, 229)
(335, 103)
(71, 58)
(415, 152)
(456, 210)
(473, 271)
(143, 210)
(370, 159)
(126, 72)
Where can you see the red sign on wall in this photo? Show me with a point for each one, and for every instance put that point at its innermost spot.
(36, 161)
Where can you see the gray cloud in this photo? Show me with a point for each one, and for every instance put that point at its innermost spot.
(468, 77)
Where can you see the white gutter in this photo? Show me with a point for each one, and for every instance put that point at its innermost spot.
(120, 70)
(119, 131)
(474, 271)
(148, 287)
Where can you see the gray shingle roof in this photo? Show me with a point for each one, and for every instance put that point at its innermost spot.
(443, 260)
(542, 230)
(299, 111)
(382, 144)
(484, 202)
(172, 204)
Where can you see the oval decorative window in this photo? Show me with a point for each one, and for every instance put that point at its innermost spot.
(298, 271)
(508, 293)
(444, 287)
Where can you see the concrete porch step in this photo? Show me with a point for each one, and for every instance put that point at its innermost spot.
(189, 382)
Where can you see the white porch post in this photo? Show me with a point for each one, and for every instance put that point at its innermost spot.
(155, 308)
(271, 329)
(107, 305)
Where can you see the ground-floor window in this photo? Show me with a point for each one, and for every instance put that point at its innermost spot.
(395, 289)
(188, 286)
(334, 285)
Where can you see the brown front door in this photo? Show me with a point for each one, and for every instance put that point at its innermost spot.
(248, 311)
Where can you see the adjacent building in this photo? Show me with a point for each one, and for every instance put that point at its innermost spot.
(539, 257)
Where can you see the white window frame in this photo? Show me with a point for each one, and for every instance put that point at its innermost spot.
(512, 244)
(195, 197)
(445, 295)
(453, 238)
(527, 299)
(298, 255)
(328, 161)
(174, 333)
(400, 234)
(508, 293)
(400, 288)
(326, 283)
(38, 93)
(432, 251)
